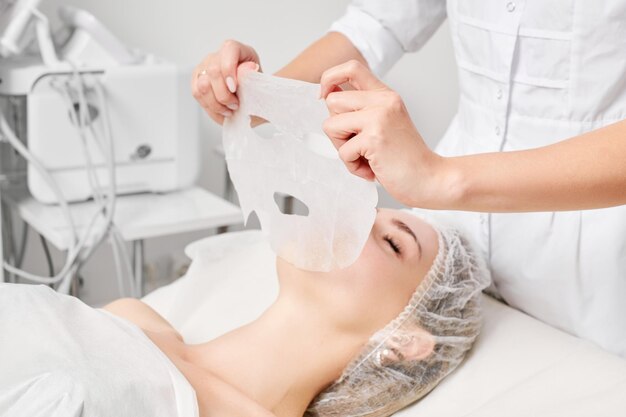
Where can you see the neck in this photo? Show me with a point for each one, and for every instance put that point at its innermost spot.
(316, 346)
(297, 347)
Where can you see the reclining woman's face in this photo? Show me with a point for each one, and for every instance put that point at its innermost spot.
(373, 291)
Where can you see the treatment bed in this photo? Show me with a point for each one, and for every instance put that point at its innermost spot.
(519, 366)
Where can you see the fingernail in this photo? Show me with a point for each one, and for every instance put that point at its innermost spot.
(227, 113)
(257, 67)
(230, 83)
(232, 106)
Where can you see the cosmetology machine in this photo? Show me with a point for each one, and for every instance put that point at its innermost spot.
(150, 116)
(93, 118)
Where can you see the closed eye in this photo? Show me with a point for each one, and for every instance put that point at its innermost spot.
(406, 229)
(393, 244)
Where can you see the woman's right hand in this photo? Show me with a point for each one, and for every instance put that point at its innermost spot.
(214, 80)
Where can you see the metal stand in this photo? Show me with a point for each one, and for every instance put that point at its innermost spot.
(8, 249)
(75, 286)
(138, 266)
(1, 238)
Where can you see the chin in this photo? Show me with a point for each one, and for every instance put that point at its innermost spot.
(282, 266)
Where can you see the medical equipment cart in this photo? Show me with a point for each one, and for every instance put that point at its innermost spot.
(138, 217)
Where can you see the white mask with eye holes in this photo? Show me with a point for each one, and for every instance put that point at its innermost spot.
(298, 160)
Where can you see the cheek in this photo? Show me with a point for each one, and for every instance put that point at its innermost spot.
(372, 254)
(374, 268)
(377, 288)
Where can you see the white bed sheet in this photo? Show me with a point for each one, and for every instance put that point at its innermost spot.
(518, 367)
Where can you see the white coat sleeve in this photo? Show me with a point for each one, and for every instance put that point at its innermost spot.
(383, 30)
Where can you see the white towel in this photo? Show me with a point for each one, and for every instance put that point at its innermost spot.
(60, 357)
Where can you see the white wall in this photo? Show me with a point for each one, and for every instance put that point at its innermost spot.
(185, 30)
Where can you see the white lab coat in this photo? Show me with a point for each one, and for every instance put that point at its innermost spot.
(532, 73)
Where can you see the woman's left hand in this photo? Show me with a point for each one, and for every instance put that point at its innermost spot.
(375, 137)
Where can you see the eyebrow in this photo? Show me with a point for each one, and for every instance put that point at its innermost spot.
(402, 226)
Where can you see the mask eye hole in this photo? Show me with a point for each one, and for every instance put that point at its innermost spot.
(265, 130)
(290, 205)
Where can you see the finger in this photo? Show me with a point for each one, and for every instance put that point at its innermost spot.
(364, 170)
(200, 79)
(352, 153)
(352, 72)
(353, 100)
(195, 85)
(342, 127)
(222, 95)
(210, 104)
(203, 82)
(217, 118)
(200, 84)
(232, 54)
(246, 67)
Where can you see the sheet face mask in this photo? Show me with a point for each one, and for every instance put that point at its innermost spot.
(296, 161)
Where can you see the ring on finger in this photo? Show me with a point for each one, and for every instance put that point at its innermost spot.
(203, 72)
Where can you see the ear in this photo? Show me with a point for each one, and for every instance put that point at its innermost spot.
(413, 345)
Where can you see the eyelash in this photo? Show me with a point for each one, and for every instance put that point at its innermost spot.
(396, 248)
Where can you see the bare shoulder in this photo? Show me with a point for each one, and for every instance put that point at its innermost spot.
(142, 315)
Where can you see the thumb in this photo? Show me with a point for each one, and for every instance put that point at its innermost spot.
(246, 67)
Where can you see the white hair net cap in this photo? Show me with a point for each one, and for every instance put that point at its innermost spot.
(444, 308)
